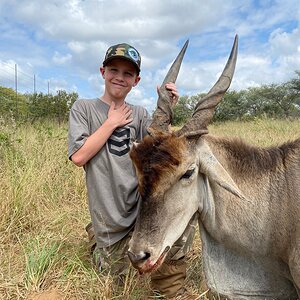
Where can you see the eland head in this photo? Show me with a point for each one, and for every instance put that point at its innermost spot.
(168, 167)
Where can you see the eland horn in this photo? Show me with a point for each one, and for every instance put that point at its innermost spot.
(205, 108)
(162, 116)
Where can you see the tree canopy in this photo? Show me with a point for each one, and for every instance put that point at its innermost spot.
(274, 101)
(32, 107)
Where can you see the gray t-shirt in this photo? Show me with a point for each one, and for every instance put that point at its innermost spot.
(110, 175)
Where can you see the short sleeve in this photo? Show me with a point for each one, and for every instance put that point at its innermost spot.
(78, 129)
(145, 123)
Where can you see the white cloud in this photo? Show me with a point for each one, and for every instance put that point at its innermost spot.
(69, 38)
(7, 73)
(77, 47)
(91, 20)
(283, 43)
(60, 59)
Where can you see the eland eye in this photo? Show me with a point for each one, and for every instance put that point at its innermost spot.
(187, 174)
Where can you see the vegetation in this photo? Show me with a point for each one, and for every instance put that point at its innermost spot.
(273, 101)
(43, 243)
(35, 107)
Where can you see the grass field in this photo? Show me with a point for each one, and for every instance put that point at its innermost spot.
(43, 244)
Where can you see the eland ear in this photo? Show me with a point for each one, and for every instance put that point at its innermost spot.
(211, 167)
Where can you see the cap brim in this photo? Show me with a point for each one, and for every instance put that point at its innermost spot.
(105, 62)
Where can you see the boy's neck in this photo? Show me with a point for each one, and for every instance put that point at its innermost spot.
(107, 100)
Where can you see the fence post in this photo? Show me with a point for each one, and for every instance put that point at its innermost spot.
(16, 89)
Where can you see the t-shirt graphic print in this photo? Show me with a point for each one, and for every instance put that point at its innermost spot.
(118, 143)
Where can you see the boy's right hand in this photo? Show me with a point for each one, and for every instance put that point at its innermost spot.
(119, 117)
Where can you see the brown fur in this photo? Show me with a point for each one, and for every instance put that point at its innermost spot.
(159, 154)
(248, 160)
(155, 157)
(268, 176)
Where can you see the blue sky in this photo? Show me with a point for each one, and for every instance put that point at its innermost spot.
(64, 42)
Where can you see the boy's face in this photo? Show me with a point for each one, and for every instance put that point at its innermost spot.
(120, 76)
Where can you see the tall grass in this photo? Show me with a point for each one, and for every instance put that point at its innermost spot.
(43, 244)
(260, 132)
(39, 260)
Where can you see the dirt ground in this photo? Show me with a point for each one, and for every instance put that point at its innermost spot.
(47, 295)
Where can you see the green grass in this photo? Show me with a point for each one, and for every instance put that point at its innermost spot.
(43, 244)
(40, 259)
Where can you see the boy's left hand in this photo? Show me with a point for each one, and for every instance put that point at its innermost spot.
(173, 93)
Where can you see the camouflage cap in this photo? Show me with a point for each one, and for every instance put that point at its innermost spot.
(123, 51)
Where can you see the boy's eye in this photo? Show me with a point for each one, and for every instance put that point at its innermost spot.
(188, 174)
(128, 74)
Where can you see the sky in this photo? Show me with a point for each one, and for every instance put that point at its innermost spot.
(54, 44)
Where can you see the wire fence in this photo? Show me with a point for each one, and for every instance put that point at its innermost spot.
(12, 76)
(26, 96)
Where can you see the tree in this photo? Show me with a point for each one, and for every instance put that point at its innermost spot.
(39, 106)
(61, 104)
(258, 102)
(35, 106)
(185, 108)
(232, 107)
(12, 104)
(294, 88)
(276, 100)
(294, 84)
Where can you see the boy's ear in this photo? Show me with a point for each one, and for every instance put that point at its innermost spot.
(137, 79)
(102, 71)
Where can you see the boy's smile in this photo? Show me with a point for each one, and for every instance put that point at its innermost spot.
(119, 76)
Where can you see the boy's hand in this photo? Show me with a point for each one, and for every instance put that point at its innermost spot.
(173, 93)
(120, 116)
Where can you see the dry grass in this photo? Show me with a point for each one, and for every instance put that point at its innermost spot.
(260, 132)
(43, 245)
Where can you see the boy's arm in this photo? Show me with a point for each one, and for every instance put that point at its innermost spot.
(116, 118)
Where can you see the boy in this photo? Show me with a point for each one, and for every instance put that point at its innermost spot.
(101, 132)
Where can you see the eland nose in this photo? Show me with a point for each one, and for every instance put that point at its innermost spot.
(139, 258)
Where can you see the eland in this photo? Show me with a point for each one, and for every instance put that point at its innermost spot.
(248, 199)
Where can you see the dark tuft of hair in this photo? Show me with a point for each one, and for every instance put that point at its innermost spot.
(154, 157)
